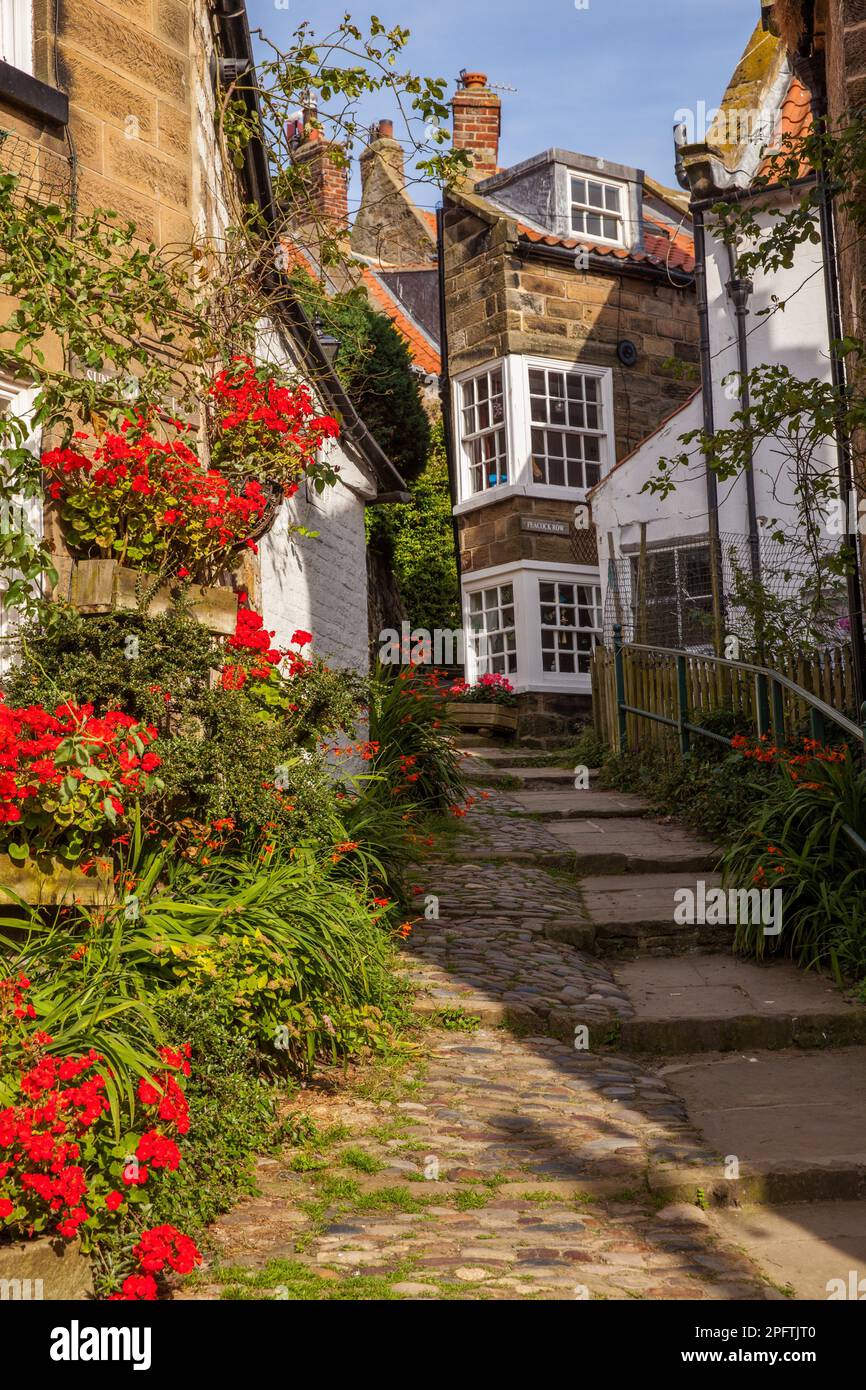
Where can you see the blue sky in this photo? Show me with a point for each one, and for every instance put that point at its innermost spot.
(604, 80)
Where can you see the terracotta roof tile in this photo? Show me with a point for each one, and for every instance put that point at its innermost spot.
(424, 354)
(795, 121)
(673, 249)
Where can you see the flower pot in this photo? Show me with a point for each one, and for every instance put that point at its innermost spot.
(47, 880)
(32, 1270)
(105, 586)
(479, 714)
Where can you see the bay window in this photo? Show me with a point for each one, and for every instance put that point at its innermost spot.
(483, 430)
(571, 626)
(567, 427)
(492, 636)
(531, 425)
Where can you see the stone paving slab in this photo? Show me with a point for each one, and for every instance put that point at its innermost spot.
(810, 1247)
(635, 912)
(719, 1003)
(723, 987)
(772, 1108)
(553, 805)
(629, 845)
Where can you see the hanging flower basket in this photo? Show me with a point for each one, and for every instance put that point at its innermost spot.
(105, 586)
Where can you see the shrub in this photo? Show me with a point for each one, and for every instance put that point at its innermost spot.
(795, 841)
(63, 1169)
(415, 753)
(232, 1111)
(68, 778)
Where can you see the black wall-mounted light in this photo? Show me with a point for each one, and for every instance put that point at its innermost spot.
(329, 344)
(627, 353)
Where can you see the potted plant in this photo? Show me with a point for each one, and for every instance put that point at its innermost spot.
(488, 704)
(142, 517)
(66, 782)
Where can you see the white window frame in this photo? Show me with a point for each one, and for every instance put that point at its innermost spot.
(16, 34)
(518, 430)
(503, 663)
(526, 577)
(488, 369)
(17, 400)
(589, 210)
(569, 650)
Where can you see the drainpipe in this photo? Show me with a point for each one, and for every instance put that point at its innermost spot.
(700, 272)
(445, 398)
(810, 73)
(739, 290)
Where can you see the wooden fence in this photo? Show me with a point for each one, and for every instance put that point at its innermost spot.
(651, 684)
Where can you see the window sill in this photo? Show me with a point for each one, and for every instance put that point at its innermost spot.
(33, 97)
(541, 490)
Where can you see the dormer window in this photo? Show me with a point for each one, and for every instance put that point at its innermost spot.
(597, 209)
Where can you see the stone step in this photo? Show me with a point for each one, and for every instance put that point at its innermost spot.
(528, 778)
(810, 1249)
(722, 1004)
(517, 757)
(566, 805)
(790, 1125)
(634, 913)
(627, 845)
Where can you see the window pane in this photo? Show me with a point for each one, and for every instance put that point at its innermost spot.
(611, 198)
(593, 224)
(548, 593)
(578, 190)
(506, 593)
(611, 228)
(596, 195)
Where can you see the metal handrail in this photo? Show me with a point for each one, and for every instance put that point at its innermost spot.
(767, 681)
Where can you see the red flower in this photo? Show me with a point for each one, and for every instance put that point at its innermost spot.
(301, 638)
(114, 1200)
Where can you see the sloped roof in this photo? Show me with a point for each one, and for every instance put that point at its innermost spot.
(678, 410)
(676, 250)
(425, 352)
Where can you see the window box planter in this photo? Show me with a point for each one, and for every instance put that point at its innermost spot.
(33, 1270)
(105, 586)
(46, 880)
(482, 714)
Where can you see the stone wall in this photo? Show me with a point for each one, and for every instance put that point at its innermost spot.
(493, 535)
(500, 301)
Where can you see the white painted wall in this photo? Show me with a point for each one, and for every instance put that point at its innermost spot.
(798, 338)
(321, 585)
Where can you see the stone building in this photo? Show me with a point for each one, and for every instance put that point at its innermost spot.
(568, 291)
(115, 102)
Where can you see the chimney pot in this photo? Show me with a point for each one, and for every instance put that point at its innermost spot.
(385, 130)
(477, 116)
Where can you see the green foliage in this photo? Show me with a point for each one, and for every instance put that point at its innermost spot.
(375, 367)
(416, 754)
(711, 791)
(231, 1108)
(794, 840)
(226, 747)
(418, 541)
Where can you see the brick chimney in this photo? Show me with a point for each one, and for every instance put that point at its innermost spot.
(383, 147)
(326, 182)
(477, 124)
